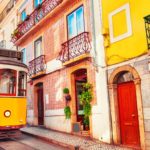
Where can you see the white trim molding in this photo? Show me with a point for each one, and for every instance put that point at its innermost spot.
(125, 7)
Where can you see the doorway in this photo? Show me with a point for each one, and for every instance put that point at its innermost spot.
(40, 103)
(127, 107)
(80, 77)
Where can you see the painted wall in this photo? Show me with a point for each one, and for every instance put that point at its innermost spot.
(126, 37)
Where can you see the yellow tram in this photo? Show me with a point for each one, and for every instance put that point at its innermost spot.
(13, 77)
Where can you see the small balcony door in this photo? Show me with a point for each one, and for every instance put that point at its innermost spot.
(38, 47)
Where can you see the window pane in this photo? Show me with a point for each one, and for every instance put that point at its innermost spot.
(37, 2)
(7, 81)
(24, 56)
(23, 15)
(72, 30)
(22, 84)
(80, 20)
(38, 47)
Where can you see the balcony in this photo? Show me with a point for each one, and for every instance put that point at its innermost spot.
(34, 18)
(75, 49)
(3, 44)
(10, 53)
(147, 29)
(37, 67)
(7, 9)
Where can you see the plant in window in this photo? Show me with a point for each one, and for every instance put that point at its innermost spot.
(85, 99)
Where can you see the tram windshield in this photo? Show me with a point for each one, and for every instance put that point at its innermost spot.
(7, 82)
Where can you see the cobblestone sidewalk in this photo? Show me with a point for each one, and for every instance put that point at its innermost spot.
(70, 141)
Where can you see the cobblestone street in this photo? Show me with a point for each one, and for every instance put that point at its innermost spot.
(70, 141)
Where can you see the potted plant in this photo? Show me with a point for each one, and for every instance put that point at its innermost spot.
(66, 93)
(85, 99)
(67, 112)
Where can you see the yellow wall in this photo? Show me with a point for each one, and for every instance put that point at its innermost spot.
(134, 45)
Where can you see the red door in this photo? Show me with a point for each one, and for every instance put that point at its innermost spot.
(128, 114)
(40, 106)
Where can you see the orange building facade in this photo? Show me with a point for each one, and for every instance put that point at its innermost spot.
(56, 39)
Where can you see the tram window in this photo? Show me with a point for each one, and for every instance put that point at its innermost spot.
(22, 84)
(7, 82)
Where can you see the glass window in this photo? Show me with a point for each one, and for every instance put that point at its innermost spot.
(23, 15)
(75, 22)
(22, 83)
(24, 56)
(37, 2)
(38, 47)
(7, 82)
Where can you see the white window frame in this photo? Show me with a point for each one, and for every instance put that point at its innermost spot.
(125, 7)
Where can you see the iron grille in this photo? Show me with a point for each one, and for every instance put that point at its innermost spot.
(147, 28)
(37, 65)
(75, 47)
(37, 15)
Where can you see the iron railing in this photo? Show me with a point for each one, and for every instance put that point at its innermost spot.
(37, 65)
(147, 29)
(75, 47)
(37, 15)
(10, 53)
(3, 44)
(7, 9)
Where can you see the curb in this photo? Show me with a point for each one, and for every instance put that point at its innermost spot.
(68, 146)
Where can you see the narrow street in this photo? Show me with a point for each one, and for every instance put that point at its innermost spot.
(27, 142)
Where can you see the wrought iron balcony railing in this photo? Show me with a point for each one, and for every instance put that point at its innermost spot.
(147, 28)
(3, 44)
(37, 15)
(11, 54)
(75, 47)
(7, 9)
(37, 65)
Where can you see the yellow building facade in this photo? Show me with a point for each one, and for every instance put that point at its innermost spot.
(126, 25)
(125, 21)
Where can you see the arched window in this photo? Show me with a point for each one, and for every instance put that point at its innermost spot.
(7, 82)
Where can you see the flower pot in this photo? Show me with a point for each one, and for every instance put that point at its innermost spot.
(68, 97)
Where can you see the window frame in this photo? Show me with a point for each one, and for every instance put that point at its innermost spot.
(25, 84)
(24, 10)
(41, 51)
(76, 21)
(37, 5)
(24, 54)
(15, 84)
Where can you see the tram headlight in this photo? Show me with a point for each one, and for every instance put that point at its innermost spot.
(7, 113)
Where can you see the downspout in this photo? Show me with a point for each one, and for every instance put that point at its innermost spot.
(93, 32)
(95, 55)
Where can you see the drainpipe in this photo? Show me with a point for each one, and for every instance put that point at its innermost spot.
(102, 65)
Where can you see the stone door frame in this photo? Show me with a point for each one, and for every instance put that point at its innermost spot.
(112, 84)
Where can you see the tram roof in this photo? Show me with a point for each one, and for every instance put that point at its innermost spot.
(11, 57)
